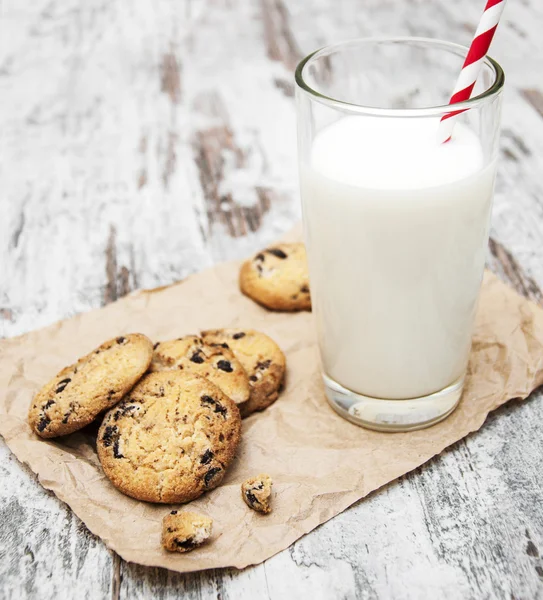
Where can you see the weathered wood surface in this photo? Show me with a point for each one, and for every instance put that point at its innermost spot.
(142, 141)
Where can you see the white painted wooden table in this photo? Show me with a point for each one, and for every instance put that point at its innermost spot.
(143, 141)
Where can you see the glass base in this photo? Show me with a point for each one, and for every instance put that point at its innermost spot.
(393, 415)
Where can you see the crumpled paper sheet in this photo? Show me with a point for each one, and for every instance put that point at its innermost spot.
(319, 462)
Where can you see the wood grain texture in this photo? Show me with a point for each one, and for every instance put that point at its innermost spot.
(45, 551)
(144, 141)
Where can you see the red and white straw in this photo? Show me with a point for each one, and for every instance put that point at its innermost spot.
(473, 64)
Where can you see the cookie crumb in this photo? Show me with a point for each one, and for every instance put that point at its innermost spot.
(256, 493)
(184, 531)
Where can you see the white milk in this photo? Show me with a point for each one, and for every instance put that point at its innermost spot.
(396, 227)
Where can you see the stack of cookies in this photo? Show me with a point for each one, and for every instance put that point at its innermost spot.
(171, 414)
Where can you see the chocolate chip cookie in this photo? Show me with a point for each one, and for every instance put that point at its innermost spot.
(262, 360)
(278, 278)
(184, 531)
(216, 363)
(256, 493)
(96, 382)
(171, 439)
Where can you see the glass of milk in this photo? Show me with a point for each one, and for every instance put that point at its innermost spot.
(396, 223)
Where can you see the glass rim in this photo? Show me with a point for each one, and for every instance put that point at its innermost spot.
(493, 90)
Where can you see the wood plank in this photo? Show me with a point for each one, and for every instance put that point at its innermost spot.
(505, 264)
(280, 43)
(535, 98)
(140, 583)
(45, 550)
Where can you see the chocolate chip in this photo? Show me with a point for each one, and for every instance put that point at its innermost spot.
(170, 529)
(156, 346)
(62, 385)
(48, 404)
(224, 345)
(304, 289)
(260, 256)
(253, 378)
(116, 452)
(219, 408)
(224, 365)
(207, 457)
(110, 435)
(196, 358)
(120, 340)
(210, 474)
(66, 417)
(187, 544)
(173, 512)
(259, 269)
(251, 498)
(44, 421)
(238, 336)
(221, 437)
(276, 252)
(263, 365)
(123, 409)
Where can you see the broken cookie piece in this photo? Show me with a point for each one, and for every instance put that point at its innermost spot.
(256, 493)
(184, 531)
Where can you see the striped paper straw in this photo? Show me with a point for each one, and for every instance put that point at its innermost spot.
(473, 64)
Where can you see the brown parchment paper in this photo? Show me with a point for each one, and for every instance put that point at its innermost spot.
(319, 462)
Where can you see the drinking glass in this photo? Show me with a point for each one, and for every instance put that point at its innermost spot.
(395, 266)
